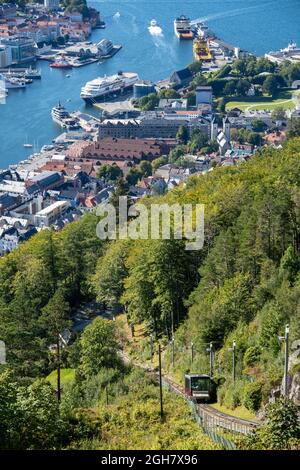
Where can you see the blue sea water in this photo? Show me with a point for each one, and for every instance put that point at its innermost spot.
(255, 25)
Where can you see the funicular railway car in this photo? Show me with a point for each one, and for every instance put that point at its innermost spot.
(200, 387)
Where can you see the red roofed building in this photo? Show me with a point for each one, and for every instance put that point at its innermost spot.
(119, 150)
(276, 138)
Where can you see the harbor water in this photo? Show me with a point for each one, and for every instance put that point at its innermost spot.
(152, 52)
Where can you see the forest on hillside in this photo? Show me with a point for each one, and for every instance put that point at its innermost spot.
(244, 285)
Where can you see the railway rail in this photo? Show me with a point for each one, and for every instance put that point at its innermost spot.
(212, 419)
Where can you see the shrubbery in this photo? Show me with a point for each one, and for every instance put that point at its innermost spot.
(251, 356)
(280, 430)
(252, 396)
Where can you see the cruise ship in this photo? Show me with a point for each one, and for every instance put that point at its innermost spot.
(105, 86)
(183, 28)
(61, 116)
(291, 53)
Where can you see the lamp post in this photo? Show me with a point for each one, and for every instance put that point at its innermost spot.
(173, 352)
(58, 368)
(285, 339)
(160, 383)
(151, 347)
(192, 352)
(233, 349)
(211, 359)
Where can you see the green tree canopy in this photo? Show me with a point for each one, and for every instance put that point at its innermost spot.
(98, 347)
(109, 172)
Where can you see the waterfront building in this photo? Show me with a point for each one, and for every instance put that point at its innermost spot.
(153, 125)
(5, 56)
(143, 88)
(42, 32)
(181, 78)
(105, 47)
(51, 4)
(22, 49)
(119, 150)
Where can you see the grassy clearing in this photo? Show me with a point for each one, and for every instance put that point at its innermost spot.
(67, 376)
(132, 420)
(284, 100)
(137, 349)
(239, 412)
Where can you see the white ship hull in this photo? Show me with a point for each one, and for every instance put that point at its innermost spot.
(9, 85)
(92, 92)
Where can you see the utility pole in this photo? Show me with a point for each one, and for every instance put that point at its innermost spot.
(285, 339)
(211, 360)
(151, 347)
(172, 321)
(160, 383)
(173, 352)
(192, 353)
(233, 360)
(58, 369)
(286, 360)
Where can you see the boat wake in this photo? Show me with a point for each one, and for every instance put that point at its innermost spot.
(155, 31)
(230, 13)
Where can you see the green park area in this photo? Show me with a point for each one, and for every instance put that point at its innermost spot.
(67, 376)
(285, 100)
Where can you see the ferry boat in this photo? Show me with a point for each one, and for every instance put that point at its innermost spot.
(11, 83)
(62, 117)
(105, 86)
(35, 74)
(24, 74)
(61, 63)
(183, 28)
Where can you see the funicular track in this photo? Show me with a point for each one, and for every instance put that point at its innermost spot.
(210, 418)
(213, 419)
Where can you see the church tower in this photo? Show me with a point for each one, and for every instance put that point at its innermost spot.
(213, 129)
(226, 128)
